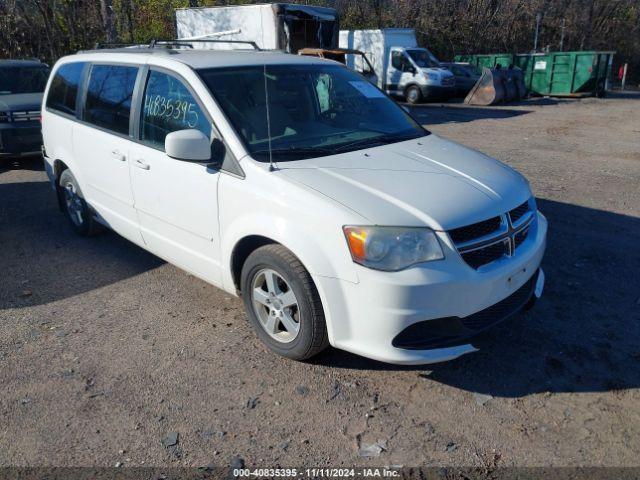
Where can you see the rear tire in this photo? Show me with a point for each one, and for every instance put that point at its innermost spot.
(283, 304)
(413, 95)
(75, 207)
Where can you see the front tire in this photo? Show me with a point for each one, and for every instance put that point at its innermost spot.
(75, 207)
(283, 304)
(413, 95)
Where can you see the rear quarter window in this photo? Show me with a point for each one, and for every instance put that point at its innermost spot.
(64, 88)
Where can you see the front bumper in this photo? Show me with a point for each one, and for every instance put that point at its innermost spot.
(366, 317)
(20, 139)
(438, 91)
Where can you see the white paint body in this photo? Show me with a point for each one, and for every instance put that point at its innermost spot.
(194, 217)
(379, 46)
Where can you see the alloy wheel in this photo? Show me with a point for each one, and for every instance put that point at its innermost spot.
(275, 305)
(73, 203)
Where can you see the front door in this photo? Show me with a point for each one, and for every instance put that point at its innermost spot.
(176, 200)
(102, 144)
(400, 72)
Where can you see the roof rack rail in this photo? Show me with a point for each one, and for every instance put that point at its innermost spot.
(99, 46)
(188, 43)
(204, 39)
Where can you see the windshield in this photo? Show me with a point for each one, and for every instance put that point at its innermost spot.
(314, 110)
(15, 80)
(423, 58)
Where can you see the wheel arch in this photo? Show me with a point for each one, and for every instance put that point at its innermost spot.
(241, 251)
(58, 167)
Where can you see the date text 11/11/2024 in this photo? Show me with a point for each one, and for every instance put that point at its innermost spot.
(316, 473)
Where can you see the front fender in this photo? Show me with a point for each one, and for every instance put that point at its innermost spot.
(324, 254)
(310, 245)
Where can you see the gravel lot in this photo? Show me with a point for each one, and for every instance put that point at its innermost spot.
(106, 351)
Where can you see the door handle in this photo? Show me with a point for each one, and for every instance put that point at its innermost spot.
(118, 156)
(140, 164)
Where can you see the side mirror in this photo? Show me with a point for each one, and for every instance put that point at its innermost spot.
(188, 145)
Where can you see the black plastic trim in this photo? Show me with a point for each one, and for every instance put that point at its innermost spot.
(451, 331)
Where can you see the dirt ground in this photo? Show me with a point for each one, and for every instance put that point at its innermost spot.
(106, 351)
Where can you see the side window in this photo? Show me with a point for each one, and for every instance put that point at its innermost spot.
(169, 107)
(397, 60)
(109, 94)
(64, 88)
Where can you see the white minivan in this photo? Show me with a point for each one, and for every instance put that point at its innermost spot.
(295, 183)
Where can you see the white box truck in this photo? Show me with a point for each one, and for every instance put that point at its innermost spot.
(276, 26)
(403, 68)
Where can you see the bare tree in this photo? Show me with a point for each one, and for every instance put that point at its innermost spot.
(50, 28)
(108, 20)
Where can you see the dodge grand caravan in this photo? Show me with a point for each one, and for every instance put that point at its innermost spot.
(293, 182)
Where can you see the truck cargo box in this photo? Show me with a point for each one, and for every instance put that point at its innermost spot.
(280, 26)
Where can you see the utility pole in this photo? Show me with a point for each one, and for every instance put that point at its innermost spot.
(535, 40)
(564, 21)
(624, 76)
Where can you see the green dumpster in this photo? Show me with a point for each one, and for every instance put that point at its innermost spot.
(489, 60)
(555, 73)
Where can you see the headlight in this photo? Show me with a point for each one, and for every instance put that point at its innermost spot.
(392, 248)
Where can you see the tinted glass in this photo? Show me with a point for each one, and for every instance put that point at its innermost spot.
(307, 110)
(64, 88)
(109, 94)
(169, 107)
(23, 79)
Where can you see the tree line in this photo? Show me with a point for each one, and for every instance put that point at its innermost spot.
(48, 29)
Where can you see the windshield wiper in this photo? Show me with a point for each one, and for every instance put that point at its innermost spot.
(371, 142)
(295, 151)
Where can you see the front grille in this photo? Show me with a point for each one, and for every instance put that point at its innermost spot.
(450, 331)
(485, 242)
(501, 310)
(448, 81)
(520, 237)
(483, 256)
(25, 116)
(475, 231)
(518, 212)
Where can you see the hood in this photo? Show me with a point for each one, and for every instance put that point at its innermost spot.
(441, 70)
(425, 182)
(21, 101)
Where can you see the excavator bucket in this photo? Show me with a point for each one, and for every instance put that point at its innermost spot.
(497, 86)
(488, 90)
